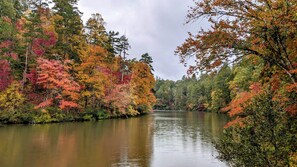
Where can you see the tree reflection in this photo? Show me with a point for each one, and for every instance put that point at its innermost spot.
(161, 139)
(105, 143)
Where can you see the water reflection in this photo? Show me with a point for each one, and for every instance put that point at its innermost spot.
(185, 139)
(162, 139)
(106, 143)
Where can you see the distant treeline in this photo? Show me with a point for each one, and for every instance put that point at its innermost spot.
(206, 92)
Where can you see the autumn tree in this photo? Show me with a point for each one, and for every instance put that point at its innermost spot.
(249, 29)
(58, 85)
(143, 83)
(264, 138)
(38, 36)
(9, 16)
(11, 98)
(92, 76)
(9, 46)
(120, 100)
(5, 74)
(239, 28)
(96, 32)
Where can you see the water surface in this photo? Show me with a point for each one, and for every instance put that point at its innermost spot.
(162, 139)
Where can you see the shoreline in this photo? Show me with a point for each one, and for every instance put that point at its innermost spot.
(68, 117)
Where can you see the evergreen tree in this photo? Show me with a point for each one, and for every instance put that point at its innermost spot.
(7, 9)
(146, 58)
(69, 26)
(113, 39)
(122, 46)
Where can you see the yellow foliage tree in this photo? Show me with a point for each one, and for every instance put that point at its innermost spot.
(92, 76)
(11, 98)
(143, 82)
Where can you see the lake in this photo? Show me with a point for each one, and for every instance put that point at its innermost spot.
(161, 139)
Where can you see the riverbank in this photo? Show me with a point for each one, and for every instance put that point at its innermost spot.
(46, 117)
(168, 110)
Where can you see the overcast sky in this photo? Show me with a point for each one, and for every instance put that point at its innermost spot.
(152, 26)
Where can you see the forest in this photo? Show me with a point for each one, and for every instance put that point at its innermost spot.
(54, 68)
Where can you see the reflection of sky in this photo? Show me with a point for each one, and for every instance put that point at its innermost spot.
(185, 140)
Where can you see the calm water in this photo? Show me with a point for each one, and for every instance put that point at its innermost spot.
(170, 139)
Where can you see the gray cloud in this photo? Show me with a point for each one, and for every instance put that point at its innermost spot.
(153, 26)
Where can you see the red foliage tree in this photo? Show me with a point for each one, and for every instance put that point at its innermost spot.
(60, 87)
(5, 78)
(119, 98)
(39, 45)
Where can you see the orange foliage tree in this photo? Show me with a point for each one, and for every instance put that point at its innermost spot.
(241, 101)
(266, 29)
(143, 82)
(58, 85)
(91, 77)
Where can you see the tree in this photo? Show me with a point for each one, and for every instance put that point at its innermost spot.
(120, 100)
(13, 9)
(113, 39)
(245, 73)
(122, 46)
(39, 36)
(206, 93)
(5, 78)
(146, 58)
(266, 137)
(164, 94)
(93, 79)
(261, 33)
(69, 26)
(142, 83)
(265, 29)
(96, 32)
(49, 60)
(8, 29)
(11, 98)
(7, 9)
(220, 92)
(59, 86)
